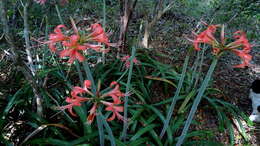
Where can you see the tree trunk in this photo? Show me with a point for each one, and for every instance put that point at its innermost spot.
(145, 41)
(159, 11)
(126, 11)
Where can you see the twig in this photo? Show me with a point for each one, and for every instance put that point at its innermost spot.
(58, 12)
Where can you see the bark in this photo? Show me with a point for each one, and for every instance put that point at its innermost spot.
(126, 11)
(159, 11)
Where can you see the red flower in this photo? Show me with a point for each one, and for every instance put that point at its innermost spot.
(72, 42)
(205, 37)
(127, 61)
(74, 101)
(77, 98)
(78, 90)
(72, 49)
(115, 110)
(98, 34)
(115, 93)
(246, 58)
(242, 41)
(70, 106)
(57, 36)
(92, 114)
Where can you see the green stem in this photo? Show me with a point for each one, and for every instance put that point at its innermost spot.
(194, 69)
(174, 99)
(200, 66)
(80, 73)
(108, 129)
(58, 12)
(90, 77)
(197, 101)
(124, 133)
(100, 129)
(122, 76)
(104, 27)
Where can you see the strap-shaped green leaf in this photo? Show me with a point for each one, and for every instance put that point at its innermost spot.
(197, 101)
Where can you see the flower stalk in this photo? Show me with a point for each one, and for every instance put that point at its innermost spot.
(124, 132)
(174, 99)
(197, 101)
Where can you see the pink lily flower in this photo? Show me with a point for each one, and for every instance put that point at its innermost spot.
(246, 58)
(115, 93)
(55, 37)
(92, 114)
(115, 110)
(73, 48)
(98, 34)
(205, 37)
(74, 101)
(242, 40)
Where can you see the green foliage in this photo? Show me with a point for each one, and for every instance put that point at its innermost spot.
(159, 95)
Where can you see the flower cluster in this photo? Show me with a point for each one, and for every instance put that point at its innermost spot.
(75, 43)
(126, 60)
(207, 37)
(113, 104)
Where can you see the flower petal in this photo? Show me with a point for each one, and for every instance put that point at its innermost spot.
(79, 56)
(65, 53)
(71, 60)
(87, 84)
(112, 117)
(246, 58)
(52, 47)
(58, 28)
(77, 90)
(205, 37)
(92, 114)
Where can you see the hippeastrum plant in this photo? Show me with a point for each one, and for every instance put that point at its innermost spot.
(76, 43)
(111, 99)
(240, 47)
